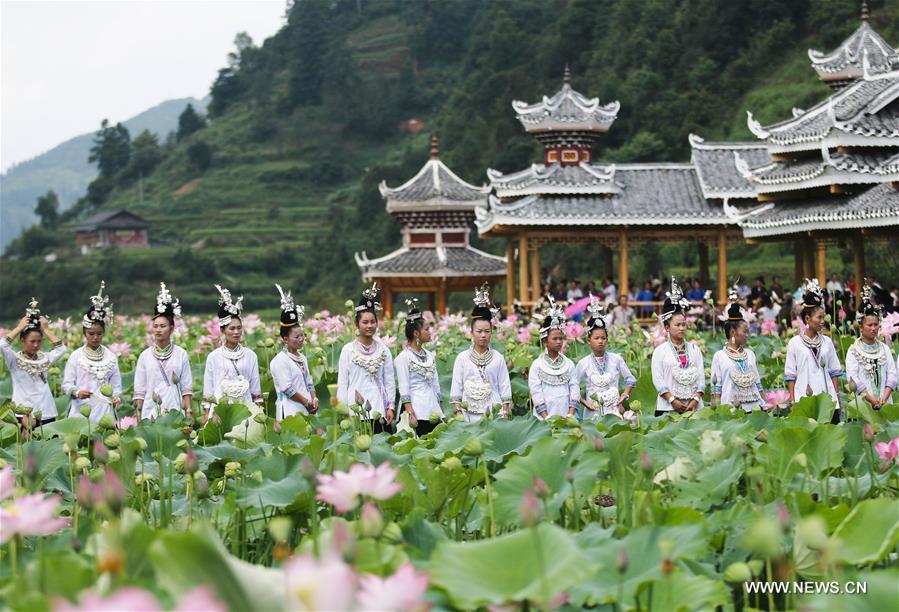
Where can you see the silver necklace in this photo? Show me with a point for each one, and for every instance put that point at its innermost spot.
(553, 372)
(163, 354)
(232, 354)
(36, 366)
(480, 360)
(96, 354)
(370, 362)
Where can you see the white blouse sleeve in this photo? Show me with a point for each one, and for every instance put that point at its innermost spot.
(208, 382)
(457, 384)
(574, 389)
(115, 379)
(140, 378)
(8, 354)
(717, 373)
(505, 384)
(625, 373)
(389, 381)
(660, 371)
(401, 365)
(699, 387)
(832, 361)
(791, 367)
(255, 385)
(59, 350)
(891, 378)
(281, 377)
(535, 386)
(854, 373)
(70, 377)
(343, 377)
(186, 377)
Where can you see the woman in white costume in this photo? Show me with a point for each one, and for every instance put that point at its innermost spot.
(678, 372)
(552, 382)
(735, 376)
(28, 366)
(870, 368)
(232, 370)
(92, 367)
(480, 376)
(812, 365)
(602, 372)
(365, 369)
(162, 377)
(289, 368)
(416, 374)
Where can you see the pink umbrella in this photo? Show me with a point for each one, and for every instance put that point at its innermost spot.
(577, 307)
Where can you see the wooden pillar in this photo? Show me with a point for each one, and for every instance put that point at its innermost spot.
(703, 250)
(536, 285)
(798, 262)
(622, 264)
(441, 298)
(821, 261)
(387, 293)
(607, 261)
(722, 267)
(523, 268)
(858, 256)
(510, 275)
(432, 301)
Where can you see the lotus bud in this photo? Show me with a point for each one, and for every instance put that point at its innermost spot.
(371, 521)
(21, 409)
(201, 485)
(231, 468)
(107, 422)
(82, 463)
(345, 424)
(599, 444)
(473, 447)
(392, 533)
(179, 462)
(38, 416)
(100, 451)
(181, 443)
(114, 456)
(868, 432)
(362, 442)
(279, 528)
(737, 572)
(191, 463)
(801, 460)
(531, 510)
(112, 440)
(106, 390)
(375, 416)
(434, 418)
(541, 489)
(646, 464)
(451, 463)
(622, 562)
(813, 531)
(307, 469)
(141, 444)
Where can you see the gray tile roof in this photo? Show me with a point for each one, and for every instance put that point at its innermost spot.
(113, 219)
(435, 184)
(436, 261)
(866, 108)
(876, 207)
(857, 166)
(651, 194)
(846, 60)
(716, 166)
(581, 179)
(567, 109)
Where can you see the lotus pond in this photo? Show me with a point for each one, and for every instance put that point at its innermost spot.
(674, 513)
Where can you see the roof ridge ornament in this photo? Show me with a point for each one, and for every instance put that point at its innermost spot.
(755, 127)
(865, 11)
(566, 75)
(435, 146)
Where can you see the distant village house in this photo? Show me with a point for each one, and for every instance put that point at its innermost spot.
(119, 228)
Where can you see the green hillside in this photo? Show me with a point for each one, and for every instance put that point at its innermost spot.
(65, 169)
(303, 128)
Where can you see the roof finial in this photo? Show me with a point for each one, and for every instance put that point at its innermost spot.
(435, 146)
(566, 76)
(864, 10)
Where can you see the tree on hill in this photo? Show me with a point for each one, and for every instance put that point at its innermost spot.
(47, 210)
(189, 122)
(199, 154)
(112, 149)
(145, 155)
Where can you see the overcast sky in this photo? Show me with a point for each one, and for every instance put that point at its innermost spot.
(67, 65)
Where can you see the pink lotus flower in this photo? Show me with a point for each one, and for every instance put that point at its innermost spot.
(128, 422)
(7, 482)
(129, 598)
(201, 598)
(122, 349)
(888, 451)
(319, 584)
(769, 328)
(402, 591)
(524, 335)
(630, 416)
(343, 489)
(31, 515)
(777, 397)
(574, 331)
(889, 326)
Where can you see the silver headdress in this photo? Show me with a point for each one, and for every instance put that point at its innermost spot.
(412, 311)
(100, 310)
(868, 305)
(291, 314)
(554, 318)
(34, 315)
(595, 319)
(165, 305)
(675, 302)
(812, 293)
(227, 307)
(483, 310)
(371, 299)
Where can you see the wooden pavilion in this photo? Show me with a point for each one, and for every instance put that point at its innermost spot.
(436, 209)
